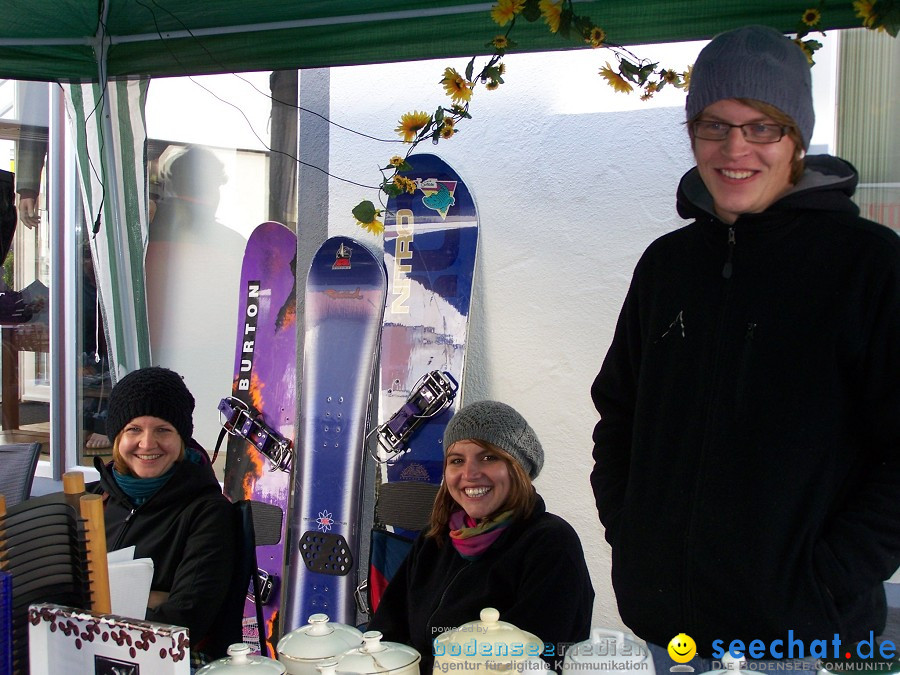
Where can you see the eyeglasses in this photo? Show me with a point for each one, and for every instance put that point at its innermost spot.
(754, 132)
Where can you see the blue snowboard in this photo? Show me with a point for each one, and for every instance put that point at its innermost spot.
(344, 305)
(430, 243)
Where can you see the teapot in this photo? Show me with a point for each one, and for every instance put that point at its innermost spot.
(378, 657)
(488, 645)
(241, 662)
(319, 640)
(606, 652)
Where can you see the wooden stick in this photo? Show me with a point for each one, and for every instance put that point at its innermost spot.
(98, 570)
(73, 482)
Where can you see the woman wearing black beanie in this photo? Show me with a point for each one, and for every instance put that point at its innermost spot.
(162, 497)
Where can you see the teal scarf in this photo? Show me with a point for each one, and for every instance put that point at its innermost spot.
(139, 490)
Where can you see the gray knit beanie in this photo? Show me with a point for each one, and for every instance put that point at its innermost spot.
(500, 425)
(157, 392)
(754, 62)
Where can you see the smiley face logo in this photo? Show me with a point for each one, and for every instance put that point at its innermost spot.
(682, 648)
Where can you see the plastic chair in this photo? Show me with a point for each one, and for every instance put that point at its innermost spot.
(18, 462)
(54, 547)
(228, 625)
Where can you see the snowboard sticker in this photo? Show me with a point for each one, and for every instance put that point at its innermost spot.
(345, 294)
(430, 242)
(264, 395)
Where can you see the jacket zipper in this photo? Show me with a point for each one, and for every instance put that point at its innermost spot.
(124, 529)
(689, 612)
(728, 268)
(444, 595)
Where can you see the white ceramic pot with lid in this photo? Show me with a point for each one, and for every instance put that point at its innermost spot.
(241, 662)
(609, 651)
(319, 640)
(378, 656)
(487, 645)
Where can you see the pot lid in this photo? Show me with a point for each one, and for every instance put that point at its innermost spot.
(606, 647)
(318, 639)
(487, 639)
(377, 656)
(240, 660)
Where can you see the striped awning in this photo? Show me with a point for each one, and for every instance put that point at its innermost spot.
(108, 126)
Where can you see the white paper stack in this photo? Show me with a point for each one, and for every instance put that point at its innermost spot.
(129, 583)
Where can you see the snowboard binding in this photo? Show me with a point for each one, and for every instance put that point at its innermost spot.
(239, 419)
(432, 394)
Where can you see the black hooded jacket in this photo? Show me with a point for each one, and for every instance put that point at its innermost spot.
(187, 528)
(747, 460)
(534, 575)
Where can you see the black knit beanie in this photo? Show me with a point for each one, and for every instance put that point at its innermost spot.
(157, 392)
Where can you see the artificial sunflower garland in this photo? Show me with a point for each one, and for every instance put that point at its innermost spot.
(560, 17)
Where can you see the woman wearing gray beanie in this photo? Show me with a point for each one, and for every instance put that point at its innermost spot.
(162, 497)
(746, 465)
(490, 543)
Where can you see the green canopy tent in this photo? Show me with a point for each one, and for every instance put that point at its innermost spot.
(65, 39)
(104, 51)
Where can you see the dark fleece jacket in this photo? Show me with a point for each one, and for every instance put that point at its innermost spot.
(534, 575)
(187, 528)
(747, 460)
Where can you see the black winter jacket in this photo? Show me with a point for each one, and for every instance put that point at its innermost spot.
(534, 575)
(747, 460)
(187, 528)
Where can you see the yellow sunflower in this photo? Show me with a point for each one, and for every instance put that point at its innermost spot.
(405, 184)
(411, 124)
(551, 11)
(504, 11)
(492, 85)
(686, 78)
(670, 76)
(396, 161)
(615, 80)
(649, 89)
(811, 17)
(447, 130)
(806, 50)
(374, 226)
(456, 86)
(865, 10)
(596, 37)
(500, 42)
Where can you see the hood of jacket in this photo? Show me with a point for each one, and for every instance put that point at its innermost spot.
(826, 185)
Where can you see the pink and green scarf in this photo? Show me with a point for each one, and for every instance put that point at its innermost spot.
(471, 538)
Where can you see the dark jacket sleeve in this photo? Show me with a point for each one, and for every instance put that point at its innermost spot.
(203, 576)
(614, 393)
(861, 545)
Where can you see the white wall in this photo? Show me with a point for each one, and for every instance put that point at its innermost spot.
(572, 181)
(567, 201)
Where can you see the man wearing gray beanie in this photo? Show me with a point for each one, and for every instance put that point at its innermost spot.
(746, 463)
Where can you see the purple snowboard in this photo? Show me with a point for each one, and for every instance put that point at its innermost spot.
(265, 379)
(345, 294)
